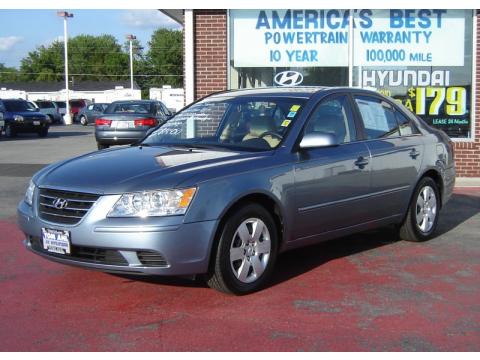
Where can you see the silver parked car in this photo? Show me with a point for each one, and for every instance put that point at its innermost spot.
(234, 179)
(125, 122)
(90, 113)
(51, 109)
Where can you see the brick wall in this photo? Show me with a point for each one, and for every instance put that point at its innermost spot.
(210, 51)
(467, 154)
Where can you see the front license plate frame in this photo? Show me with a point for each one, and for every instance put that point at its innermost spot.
(56, 241)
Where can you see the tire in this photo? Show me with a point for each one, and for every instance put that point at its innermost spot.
(9, 131)
(50, 119)
(43, 133)
(83, 120)
(422, 217)
(247, 268)
(102, 146)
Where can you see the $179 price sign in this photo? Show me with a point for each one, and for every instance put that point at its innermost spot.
(438, 100)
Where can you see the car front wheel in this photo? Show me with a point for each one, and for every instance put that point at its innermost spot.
(83, 121)
(422, 217)
(43, 133)
(246, 251)
(10, 131)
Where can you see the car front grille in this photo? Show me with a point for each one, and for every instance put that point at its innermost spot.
(85, 254)
(72, 209)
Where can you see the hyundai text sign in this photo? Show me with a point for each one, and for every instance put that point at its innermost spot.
(308, 38)
(288, 78)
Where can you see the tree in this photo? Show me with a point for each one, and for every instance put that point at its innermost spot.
(7, 74)
(165, 58)
(90, 58)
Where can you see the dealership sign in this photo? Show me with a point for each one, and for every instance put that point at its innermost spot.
(308, 38)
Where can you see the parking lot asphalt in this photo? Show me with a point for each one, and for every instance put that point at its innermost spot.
(366, 292)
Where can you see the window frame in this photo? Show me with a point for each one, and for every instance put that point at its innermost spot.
(395, 109)
(355, 120)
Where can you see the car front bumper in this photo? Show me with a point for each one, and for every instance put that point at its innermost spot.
(153, 246)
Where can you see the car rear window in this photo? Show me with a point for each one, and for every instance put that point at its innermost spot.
(130, 107)
(77, 103)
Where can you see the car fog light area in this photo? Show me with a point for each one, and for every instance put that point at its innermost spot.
(153, 203)
(29, 193)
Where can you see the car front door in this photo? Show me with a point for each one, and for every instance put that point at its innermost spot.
(331, 183)
(396, 148)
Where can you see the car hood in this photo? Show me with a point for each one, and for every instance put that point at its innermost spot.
(29, 114)
(131, 169)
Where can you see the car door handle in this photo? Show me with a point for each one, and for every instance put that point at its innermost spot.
(414, 153)
(361, 162)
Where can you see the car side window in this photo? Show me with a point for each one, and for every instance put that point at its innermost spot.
(378, 117)
(407, 128)
(90, 107)
(333, 116)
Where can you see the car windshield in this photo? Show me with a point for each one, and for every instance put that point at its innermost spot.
(45, 105)
(130, 107)
(61, 104)
(241, 123)
(13, 106)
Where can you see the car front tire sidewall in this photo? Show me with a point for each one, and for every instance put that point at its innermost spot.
(225, 279)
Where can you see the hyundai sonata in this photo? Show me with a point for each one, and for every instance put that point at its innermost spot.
(238, 177)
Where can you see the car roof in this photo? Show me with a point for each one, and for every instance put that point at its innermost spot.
(287, 91)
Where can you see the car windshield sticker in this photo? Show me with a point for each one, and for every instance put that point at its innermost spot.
(285, 123)
(295, 108)
(291, 114)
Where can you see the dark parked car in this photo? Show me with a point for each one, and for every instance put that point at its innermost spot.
(76, 106)
(90, 113)
(125, 122)
(50, 109)
(235, 179)
(20, 117)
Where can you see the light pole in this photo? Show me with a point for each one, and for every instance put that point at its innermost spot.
(130, 38)
(65, 15)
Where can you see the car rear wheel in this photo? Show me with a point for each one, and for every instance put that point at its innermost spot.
(83, 120)
(246, 251)
(422, 217)
(102, 146)
(10, 131)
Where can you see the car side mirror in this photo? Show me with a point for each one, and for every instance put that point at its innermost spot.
(318, 140)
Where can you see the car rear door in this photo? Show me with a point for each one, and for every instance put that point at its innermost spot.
(396, 147)
(331, 183)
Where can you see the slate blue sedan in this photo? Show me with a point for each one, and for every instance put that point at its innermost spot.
(238, 177)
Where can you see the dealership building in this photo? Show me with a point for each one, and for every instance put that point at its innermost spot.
(425, 58)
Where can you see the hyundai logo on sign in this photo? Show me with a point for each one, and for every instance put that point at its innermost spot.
(288, 78)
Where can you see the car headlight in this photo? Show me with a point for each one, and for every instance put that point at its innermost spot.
(153, 203)
(29, 193)
(18, 118)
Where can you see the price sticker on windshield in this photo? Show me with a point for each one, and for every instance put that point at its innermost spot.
(286, 122)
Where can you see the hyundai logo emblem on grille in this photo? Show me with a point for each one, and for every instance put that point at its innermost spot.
(60, 203)
(288, 78)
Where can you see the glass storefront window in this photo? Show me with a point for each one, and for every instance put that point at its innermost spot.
(421, 58)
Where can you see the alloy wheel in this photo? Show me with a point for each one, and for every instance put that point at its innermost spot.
(250, 250)
(426, 209)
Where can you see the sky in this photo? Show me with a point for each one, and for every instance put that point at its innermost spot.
(22, 31)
